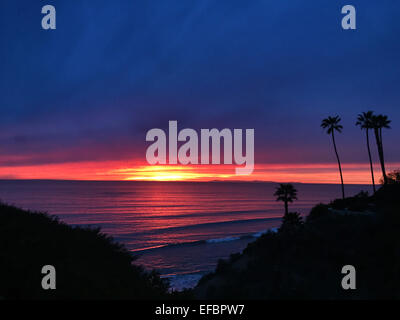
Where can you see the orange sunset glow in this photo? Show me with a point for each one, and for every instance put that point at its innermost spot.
(355, 173)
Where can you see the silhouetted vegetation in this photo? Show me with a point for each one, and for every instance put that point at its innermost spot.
(291, 222)
(365, 121)
(332, 124)
(380, 122)
(88, 263)
(303, 260)
(360, 202)
(286, 192)
(393, 177)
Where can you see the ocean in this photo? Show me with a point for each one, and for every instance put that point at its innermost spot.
(179, 228)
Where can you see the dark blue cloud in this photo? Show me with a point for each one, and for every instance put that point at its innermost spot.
(114, 69)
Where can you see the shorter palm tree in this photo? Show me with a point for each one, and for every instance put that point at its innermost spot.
(286, 192)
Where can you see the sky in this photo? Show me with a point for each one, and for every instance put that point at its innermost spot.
(76, 102)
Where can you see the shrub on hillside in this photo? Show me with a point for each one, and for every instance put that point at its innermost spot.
(88, 263)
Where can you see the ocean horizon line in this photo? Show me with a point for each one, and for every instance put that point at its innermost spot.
(180, 181)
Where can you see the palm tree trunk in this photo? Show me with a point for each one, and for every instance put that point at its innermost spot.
(370, 161)
(380, 152)
(383, 155)
(286, 208)
(338, 160)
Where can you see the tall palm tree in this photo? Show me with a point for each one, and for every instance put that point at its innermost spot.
(331, 124)
(364, 120)
(378, 123)
(286, 192)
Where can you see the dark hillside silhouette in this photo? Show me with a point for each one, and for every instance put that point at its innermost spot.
(89, 264)
(304, 260)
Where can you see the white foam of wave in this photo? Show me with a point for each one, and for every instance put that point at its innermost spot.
(184, 281)
(222, 239)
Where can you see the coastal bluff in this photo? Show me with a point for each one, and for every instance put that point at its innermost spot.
(304, 259)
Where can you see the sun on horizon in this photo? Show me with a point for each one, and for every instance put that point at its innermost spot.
(355, 173)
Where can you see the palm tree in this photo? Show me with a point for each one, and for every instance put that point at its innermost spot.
(286, 192)
(378, 123)
(364, 120)
(332, 125)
